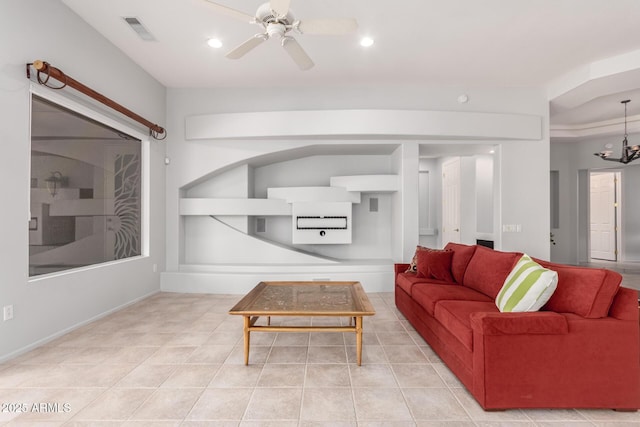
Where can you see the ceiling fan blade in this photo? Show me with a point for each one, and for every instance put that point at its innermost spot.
(328, 26)
(281, 7)
(231, 12)
(245, 47)
(296, 53)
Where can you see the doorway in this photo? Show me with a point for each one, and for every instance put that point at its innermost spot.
(604, 215)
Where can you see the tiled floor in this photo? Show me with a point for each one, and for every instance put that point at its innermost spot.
(177, 360)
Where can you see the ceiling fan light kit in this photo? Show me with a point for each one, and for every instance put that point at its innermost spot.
(629, 153)
(276, 20)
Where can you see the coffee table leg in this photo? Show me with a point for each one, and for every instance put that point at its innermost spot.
(247, 322)
(359, 339)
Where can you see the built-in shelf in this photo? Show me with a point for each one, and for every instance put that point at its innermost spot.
(367, 183)
(313, 194)
(220, 206)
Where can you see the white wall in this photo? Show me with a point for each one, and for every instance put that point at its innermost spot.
(527, 163)
(573, 159)
(44, 308)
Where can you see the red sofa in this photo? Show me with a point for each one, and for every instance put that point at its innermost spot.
(582, 350)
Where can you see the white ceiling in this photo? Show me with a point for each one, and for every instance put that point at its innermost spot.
(466, 43)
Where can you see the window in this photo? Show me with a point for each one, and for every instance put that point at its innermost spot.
(85, 191)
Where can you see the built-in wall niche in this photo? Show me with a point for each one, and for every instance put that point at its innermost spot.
(308, 205)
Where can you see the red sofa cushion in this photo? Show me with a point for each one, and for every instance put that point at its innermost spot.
(461, 256)
(428, 295)
(456, 317)
(488, 270)
(434, 264)
(587, 292)
(407, 281)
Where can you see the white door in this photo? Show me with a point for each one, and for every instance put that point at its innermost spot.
(451, 201)
(602, 215)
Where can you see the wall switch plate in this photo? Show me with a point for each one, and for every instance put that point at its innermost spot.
(8, 312)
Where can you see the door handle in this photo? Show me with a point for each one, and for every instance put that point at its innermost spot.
(456, 229)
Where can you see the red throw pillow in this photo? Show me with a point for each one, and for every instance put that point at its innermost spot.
(435, 264)
(413, 267)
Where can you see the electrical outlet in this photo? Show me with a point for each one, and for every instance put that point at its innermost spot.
(8, 312)
(155, 268)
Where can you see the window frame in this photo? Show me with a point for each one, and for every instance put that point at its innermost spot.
(95, 114)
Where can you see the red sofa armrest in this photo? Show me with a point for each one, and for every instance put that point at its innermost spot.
(399, 268)
(625, 305)
(537, 323)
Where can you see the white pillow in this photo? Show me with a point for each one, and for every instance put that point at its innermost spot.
(527, 288)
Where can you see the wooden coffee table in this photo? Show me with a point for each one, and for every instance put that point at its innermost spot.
(335, 299)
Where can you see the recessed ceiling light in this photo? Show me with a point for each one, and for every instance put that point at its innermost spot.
(366, 41)
(215, 43)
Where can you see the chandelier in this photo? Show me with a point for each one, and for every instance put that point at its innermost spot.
(629, 153)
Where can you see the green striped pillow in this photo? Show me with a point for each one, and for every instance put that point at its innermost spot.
(527, 288)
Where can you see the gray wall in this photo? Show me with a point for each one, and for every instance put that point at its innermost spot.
(47, 307)
(574, 160)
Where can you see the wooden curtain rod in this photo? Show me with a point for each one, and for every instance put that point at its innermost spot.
(44, 67)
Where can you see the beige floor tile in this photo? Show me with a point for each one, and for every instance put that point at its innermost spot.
(279, 423)
(170, 355)
(327, 354)
(327, 376)
(404, 354)
(154, 423)
(20, 374)
(292, 339)
(274, 404)
(476, 412)
(328, 424)
(422, 376)
(288, 354)
(218, 338)
(380, 404)
(370, 354)
(191, 376)
(189, 338)
(436, 404)
(221, 404)
(131, 355)
(92, 355)
(327, 404)
(373, 375)
(234, 376)
(556, 415)
(386, 326)
(260, 338)
(422, 423)
(115, 404)
(168, 404)
(210, 354)
(447, 376)
(326, 338)
(395, 338)
(282, 375)
(606, 415)
(147, 376)
(181, 355)
(49, 355)
(257, 355)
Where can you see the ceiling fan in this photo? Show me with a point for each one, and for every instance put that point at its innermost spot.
(276, 20)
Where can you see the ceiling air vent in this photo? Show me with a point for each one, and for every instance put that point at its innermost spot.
(140, 29)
